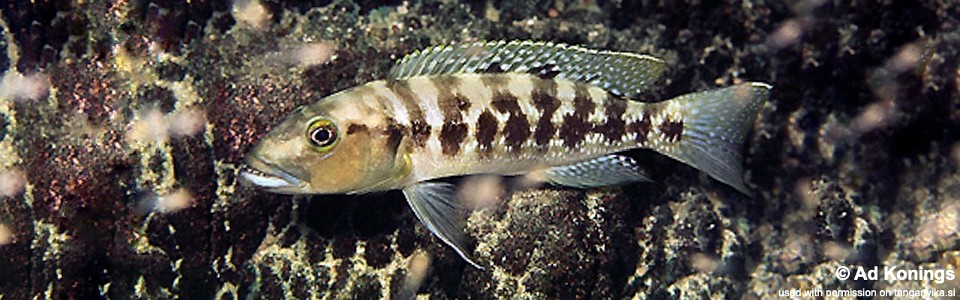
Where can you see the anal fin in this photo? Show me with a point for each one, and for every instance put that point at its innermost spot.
(606, 170)
(437, 207)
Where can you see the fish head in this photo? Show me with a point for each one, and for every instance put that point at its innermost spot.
(330, 147)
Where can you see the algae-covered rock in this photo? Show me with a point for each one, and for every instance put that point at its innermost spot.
(123, 124)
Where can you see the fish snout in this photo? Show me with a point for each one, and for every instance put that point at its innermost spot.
(257, 172)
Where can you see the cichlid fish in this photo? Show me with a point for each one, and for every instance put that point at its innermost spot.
(502, 108)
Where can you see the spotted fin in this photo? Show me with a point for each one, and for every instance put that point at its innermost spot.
(624, 74)
(437, 207)
(601, 171)
(715, 126)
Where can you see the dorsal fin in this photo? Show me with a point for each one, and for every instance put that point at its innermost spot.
(621, 73)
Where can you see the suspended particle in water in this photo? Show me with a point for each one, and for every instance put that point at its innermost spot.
(17, 87)
(12, 182)
(6, 235)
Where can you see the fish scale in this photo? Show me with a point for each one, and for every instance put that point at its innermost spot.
(431, 161)
(502, 108)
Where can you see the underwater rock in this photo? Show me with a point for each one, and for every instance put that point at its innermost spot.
(852, 161)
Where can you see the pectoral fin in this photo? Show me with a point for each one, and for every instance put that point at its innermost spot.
(601, 171)
(437, 207)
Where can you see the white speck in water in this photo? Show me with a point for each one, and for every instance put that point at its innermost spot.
(786, 35)
(17, 87)
(6, 235)
(312, 54)
(174, 201)
(186, 122)
(12, 182)
(251, 13)
(153, 126)
(417, 270)
(481, 191)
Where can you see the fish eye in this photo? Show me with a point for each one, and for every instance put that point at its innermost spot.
(322, 134)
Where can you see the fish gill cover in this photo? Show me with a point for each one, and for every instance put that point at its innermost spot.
(122, 125)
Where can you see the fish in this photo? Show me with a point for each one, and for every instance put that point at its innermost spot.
(501, 108)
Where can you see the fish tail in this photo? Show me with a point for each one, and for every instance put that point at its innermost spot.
(715, 126)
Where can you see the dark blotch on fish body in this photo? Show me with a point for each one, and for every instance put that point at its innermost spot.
(451, 105)
(672, 130)
(545, 100)
(451, 136)
(505, 103)
(641, 127)
(394, 133)
(574, 130)
(454, 131)
(576, 126)
(486, 131)
(420, 131)
(614, 128)
(516, 131)
(582, 104)
(355, 128)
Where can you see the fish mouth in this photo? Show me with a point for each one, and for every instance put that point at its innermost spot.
(262, 174)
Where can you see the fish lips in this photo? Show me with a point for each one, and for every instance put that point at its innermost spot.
(261, 174)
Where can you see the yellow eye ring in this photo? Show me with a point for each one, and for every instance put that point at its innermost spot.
(322, 134)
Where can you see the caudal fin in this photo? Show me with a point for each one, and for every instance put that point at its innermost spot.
(715, 126)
